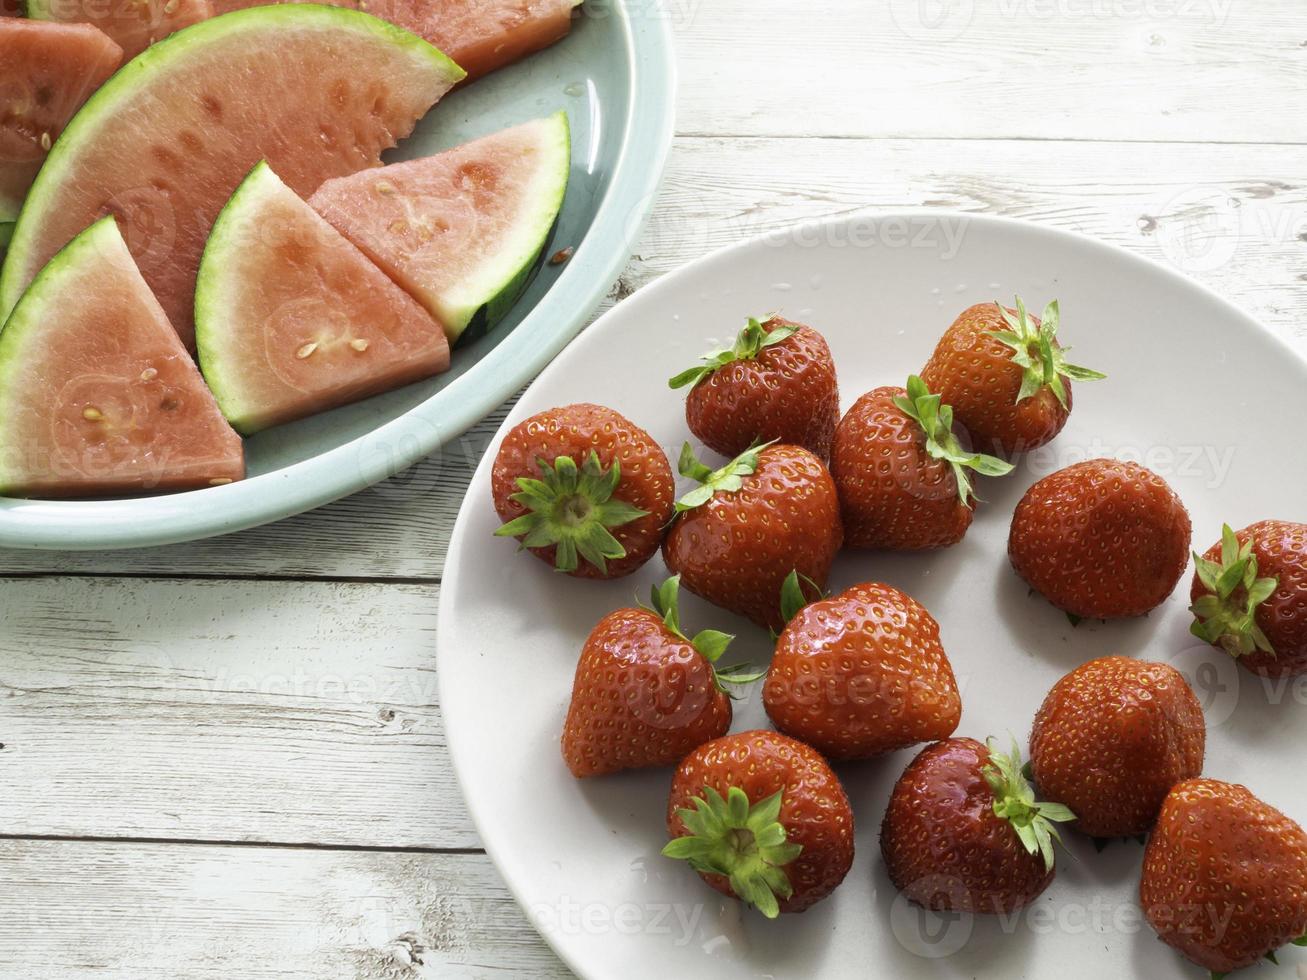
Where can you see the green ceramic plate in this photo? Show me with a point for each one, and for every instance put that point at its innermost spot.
(615, 76)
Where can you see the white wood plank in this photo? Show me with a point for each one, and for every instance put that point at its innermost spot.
(1235, 217)
(75, 910)
(1191, 70)
(237, 711)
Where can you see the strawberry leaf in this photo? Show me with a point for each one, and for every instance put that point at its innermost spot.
(1043, 363)
(711, 644)
(1014, 801)
(751, 341)
(745, 842)
(572, 508)
(1227, 615)
(936, 421)
(728, 479)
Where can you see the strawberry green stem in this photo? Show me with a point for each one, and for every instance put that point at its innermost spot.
(1227, 615)
(1014, 801)
(1043, 363)
(751, 342)
(728, 479)
(936, 421)
(572, 509)
(711, 644)
(746, 843)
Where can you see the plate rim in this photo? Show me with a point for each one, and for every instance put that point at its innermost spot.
(140, 522)
(449, 581)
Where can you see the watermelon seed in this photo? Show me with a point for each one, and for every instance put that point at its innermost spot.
(45, 142)
(169, 404)
(359, 345)
(170, 6)
(92, 414)
(561, 256)
(306, 350)
(398, 227)
(383, 187)
(221, 481)
(149, 374)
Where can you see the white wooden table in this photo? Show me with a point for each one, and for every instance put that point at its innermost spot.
(226, 759)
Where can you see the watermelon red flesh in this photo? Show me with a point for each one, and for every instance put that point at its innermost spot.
(459, 230)
(133, 24)
(480, 35)
(316, 91)
(97, 395)
(291, 319)
(49, 70)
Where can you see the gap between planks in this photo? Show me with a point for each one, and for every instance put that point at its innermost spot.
(264, 844)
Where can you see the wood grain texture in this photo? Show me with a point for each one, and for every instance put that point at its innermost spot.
(75, 910)
(1234, 217)
(238, 711)
(1202, 71)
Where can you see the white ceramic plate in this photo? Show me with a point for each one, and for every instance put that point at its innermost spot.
(1196, 390)
(615, 76)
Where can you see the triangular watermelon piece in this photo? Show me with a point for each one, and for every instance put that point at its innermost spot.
(480, 35)
(291, 319)
(97, 395)
(46, 72)
(316, 91)
(462, 231)
(133, 24)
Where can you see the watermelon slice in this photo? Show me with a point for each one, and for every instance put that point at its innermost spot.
(97, 395)
(133, 24)
(316, 91)
(462, 231)
(48, 71)
(480, 35)
(291, 319)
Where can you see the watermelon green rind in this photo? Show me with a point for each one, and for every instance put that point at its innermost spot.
(156, 61)
(29, 315)
(491, 295)
(211, 357)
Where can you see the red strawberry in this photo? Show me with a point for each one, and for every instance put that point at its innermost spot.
(1250, 597)
(902, 473)
(1112, 738)
(771, 511)
(585, 489)
(777, 384)
(861, 674)
(1101, 539)
(645, 694)
(963, 831)
(1005, 375)
(1225, 876)
(762, 818)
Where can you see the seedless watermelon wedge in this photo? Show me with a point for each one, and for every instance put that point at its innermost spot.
(46, 72)
(133, 24)
(291, 319)
(462, 231)
(97, 395)
(316, 91)
(480, 35)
